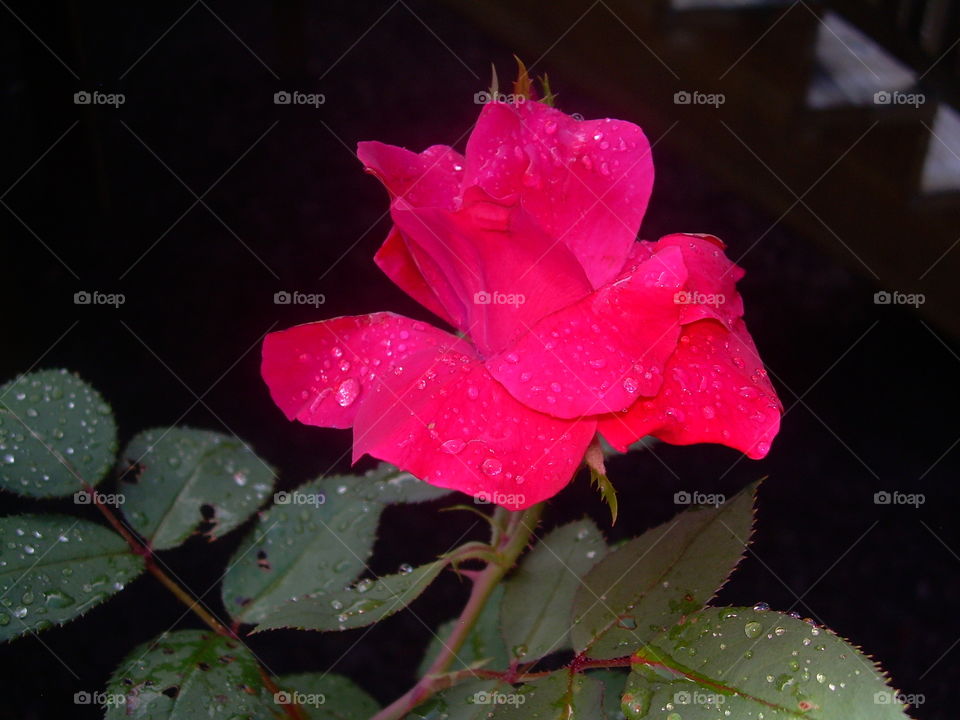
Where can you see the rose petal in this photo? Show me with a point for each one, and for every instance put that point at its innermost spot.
(396, 260)
(711, 290)
(505, 270)
(428, 179)
(600, 354)
(445, 420)
(317, 372)
(586, 182)
(714, 390)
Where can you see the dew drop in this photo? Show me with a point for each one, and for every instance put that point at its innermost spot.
(347, 392)
(453, 446)
(752, 629)
(491, 466)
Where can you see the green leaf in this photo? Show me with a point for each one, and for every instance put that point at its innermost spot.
(651, 581)
(558, 696)
(364, 603)
(614, 682)
(56, 432)
(744, 663)
(54, 568)
(189, 674)
(535, 614)
(482, 644)
(389, 485)
(459, 702)
(327, 697)
(185, 473)
(316, 539)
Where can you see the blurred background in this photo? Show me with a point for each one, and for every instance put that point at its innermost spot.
(144, 154)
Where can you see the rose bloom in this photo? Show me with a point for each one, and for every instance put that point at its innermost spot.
(566, 325)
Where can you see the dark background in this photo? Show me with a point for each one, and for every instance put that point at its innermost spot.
(105, 199)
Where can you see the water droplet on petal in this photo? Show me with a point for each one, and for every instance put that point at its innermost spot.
(491, 466)
(347, 392)
(453, 446)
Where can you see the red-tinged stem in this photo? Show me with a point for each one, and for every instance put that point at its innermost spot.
(511, 537)
(293, 711)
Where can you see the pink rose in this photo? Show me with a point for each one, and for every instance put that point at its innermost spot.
(567, 325)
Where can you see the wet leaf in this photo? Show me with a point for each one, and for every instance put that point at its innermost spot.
(316, 539)
(56, 432)
(363, 603)
(54, 568)
(651, 581)
(189, 674)
(535, 614)
(180, 480)
(558, 696)
(322, 696)
(389, 485)
(745, 663)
